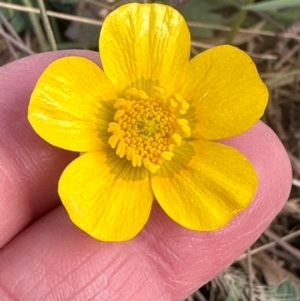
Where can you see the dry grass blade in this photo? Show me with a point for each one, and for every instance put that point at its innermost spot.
(269, 245)
(9, 28)
(37, 27)
(287, 56)
(16, 43)
(296, 182)
(250, 275)
(282, 243)
(47, 25)
(52, 14)
(265, 33)
(9, 46)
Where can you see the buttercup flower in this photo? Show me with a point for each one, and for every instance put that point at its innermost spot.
(147, 126)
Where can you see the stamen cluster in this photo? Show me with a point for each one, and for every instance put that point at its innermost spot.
(146, 129)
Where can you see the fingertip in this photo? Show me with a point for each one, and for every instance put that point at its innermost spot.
(270, 159)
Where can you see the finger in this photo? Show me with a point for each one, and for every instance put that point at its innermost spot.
(53, 260)
(29, 167)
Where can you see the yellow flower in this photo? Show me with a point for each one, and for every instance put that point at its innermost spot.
(147, 126)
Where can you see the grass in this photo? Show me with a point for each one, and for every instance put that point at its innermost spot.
(270, 32)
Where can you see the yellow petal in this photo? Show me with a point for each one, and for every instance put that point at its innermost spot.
(105, 196)
(227, 94)
(205, 185)
(142, 42)
(67, 104)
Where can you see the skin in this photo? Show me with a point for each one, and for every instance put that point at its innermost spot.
(43, 256)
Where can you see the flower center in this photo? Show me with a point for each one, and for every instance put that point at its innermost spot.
(146, 129)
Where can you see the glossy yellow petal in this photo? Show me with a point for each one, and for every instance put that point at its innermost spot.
(67, 101)
(143, 44)
(227, 94)
(205, 185)
(105, 196)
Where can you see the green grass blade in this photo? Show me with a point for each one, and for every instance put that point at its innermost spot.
(272, 5)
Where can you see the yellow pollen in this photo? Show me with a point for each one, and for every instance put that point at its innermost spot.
(146, 129)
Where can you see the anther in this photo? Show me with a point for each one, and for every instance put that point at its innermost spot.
(167, 155)
(113, 126)
(176, 139)
(120, 103)
(119, 114)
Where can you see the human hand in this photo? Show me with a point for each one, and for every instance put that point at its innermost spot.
(53, 260)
